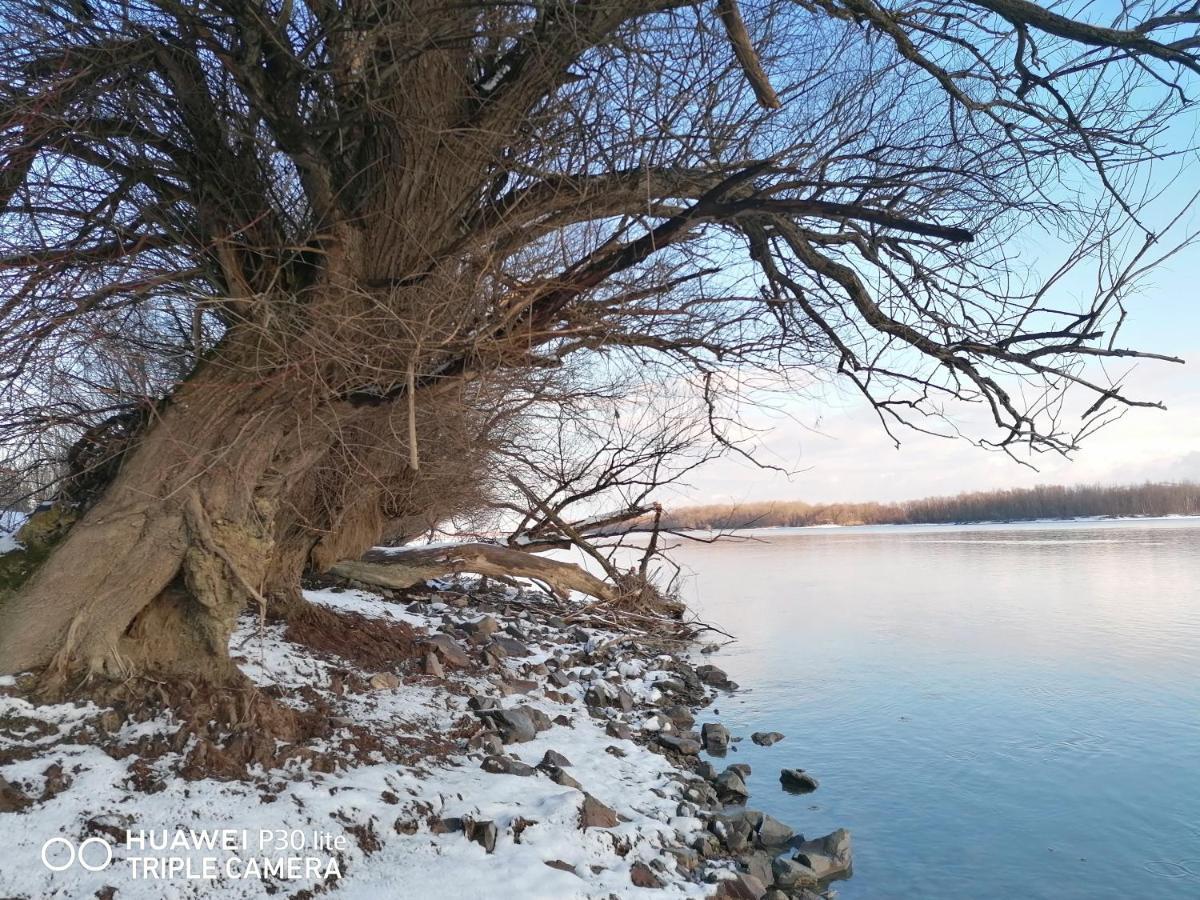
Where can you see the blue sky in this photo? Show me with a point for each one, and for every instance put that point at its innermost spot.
(849, 457)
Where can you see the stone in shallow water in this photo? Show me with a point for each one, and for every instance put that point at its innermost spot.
(730, 787)
(790, 874)
(715, 737)
(766, 738)
(772, 834)
(797, 781)
(828, 856)
(715, 677)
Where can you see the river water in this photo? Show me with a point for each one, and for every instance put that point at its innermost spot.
(1003, 711)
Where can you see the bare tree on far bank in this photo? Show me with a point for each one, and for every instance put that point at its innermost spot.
(278, 278)
(1013, 505)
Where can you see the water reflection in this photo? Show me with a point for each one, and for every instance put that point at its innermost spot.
(995, 711)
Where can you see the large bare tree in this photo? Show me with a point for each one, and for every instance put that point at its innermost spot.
(280, 273)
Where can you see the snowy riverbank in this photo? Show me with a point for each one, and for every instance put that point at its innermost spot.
(511, 754)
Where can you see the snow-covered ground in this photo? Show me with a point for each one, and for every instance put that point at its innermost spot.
(369, 829)
(10, 522)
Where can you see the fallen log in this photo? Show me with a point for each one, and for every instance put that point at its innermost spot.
(400, 568)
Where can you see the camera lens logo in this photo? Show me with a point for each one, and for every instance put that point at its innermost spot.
(59, 854)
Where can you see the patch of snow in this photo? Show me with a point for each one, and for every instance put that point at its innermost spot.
(10, 523)
(537, 819)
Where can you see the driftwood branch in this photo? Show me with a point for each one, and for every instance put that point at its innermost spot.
(405, 568)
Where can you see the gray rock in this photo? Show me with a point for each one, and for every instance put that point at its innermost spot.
(701, 793)
(541, 721)
(483, 833)
(600, 696)
(730, 787)
(481, 628)
(12, 799)
(554, 758)
(560, 777)
(506, 765)
(828, 856)
(797, 781)
(686, 859)
(450, 651)
(766, 738)
(521, 686)
(771, 833)
(643, 876)
(680, 715)
(511, 646)
(594, 814)
(679, 744)
(742, 886)
(715, 677)
(515, 725)
(790, 874)
(705, 770)
(478, 701)
(384, 681)
(734, 831)
(489, 742)
(758, 864)
(742, 769)
(618, 730)
(707, 845)
(715, 737)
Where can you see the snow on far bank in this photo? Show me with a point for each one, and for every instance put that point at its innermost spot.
(374, 820)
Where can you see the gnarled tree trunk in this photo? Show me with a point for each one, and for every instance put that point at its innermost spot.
(153, 576)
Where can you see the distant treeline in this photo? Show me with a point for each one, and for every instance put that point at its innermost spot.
(1051, 502)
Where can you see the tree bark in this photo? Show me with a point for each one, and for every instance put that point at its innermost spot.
(153, 576)
(242, 484)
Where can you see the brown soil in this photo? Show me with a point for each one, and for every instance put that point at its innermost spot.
(371, 644)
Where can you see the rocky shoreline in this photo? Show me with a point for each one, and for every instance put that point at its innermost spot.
(518, 747)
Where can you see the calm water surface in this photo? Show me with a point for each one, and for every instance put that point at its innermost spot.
(994, 711)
